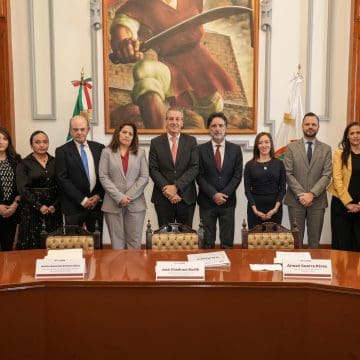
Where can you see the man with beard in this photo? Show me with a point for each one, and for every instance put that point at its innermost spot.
(308, 173)
(220, 172)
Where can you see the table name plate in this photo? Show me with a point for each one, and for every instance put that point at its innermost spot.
(60, 268)
(180, 270)
(309, 269)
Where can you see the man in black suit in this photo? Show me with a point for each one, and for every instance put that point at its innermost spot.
(174, 165)
(219, 176)
(77, 175)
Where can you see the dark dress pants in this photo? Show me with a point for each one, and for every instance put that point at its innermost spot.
(226, 218)
(180, 212)
(345, 227)
(89, 218)
(7, 232)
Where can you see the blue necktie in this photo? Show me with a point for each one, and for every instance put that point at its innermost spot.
(84, 160)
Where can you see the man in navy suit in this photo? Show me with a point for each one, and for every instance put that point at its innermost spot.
(174, 165)
(220, 174)
(77, 174)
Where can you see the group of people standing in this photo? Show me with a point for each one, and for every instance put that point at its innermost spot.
(311, 173)
(36, 191)
(27, 192)
(86, 181)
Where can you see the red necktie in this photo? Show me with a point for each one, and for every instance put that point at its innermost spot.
(218, 157)
(174, 148)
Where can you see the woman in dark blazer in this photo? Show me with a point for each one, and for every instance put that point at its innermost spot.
(9, 197)
(265, 183)
(124, 173)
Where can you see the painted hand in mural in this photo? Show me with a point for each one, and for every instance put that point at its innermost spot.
(125, 48)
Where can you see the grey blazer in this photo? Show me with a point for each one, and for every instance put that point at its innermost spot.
(116, 184)
(304, 177)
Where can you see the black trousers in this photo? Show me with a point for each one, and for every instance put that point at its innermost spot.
(89, 218)
(180, 212)
(226, 217)
(7, 232)
(345, 227)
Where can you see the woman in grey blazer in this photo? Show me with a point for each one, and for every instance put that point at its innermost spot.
(124, 173)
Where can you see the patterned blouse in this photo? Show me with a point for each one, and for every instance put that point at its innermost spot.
(7, 178)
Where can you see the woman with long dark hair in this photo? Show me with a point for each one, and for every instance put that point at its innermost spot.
(265, 183)
(124, 173)
(9, 197)
(35, 177)
(345, 188)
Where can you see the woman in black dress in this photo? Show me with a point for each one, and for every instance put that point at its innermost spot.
(9, 198)
(265, 183)
(35, 177)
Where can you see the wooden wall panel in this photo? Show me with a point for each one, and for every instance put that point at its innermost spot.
(357, 10)
(6, 75)
(354, 66)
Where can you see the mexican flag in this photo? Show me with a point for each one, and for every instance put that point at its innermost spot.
(83, 100)
(290, 127)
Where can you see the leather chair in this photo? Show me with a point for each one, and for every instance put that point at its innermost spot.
(269, 235)
(70, 237)
(174, 236)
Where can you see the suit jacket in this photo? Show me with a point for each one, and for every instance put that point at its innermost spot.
(339, 185)
(163, 171)
(71, 176)
(116, 184)
(304, 177)
(211, 181)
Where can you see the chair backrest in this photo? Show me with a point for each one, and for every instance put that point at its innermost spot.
(69, 237)
(269, 235)
(69, 242)
(173, 236)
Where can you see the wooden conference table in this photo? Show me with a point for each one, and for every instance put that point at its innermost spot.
(119, 311)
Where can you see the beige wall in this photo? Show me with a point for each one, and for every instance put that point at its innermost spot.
(289, 47)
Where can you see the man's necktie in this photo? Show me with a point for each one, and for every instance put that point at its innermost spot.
(84, 160)
(174, 148)
(218, 157)
(309, 150)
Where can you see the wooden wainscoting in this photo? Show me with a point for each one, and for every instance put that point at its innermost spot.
(6, 71)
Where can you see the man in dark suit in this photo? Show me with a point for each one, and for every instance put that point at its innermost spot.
(77, 164)
(219, 176)
(174, 165)
(308, 173)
